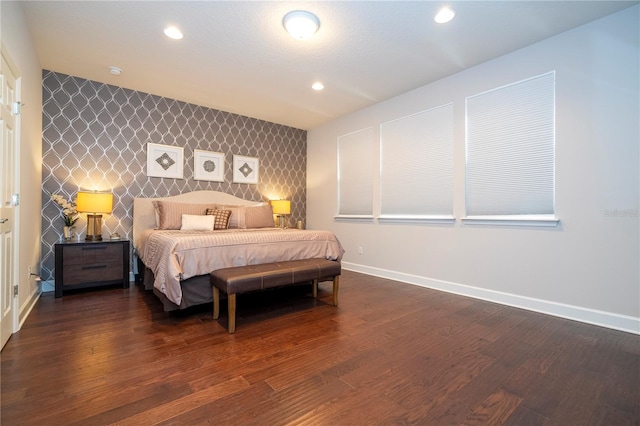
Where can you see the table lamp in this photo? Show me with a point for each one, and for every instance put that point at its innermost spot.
(95, 204)
(281, 208)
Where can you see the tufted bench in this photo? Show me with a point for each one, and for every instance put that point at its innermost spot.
(243, 279)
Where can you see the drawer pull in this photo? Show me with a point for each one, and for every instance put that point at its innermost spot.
(94, 267)
(95, 247)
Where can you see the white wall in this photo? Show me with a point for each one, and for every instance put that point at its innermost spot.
(17, 42)
(587, 268)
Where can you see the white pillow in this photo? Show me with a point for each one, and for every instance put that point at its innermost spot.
(197, 223)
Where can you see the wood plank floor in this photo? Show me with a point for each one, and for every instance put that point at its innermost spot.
(391, 353)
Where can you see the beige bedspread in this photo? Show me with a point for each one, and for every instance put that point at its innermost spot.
(177, 255)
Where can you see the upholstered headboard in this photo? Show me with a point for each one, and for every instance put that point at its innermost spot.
(144, 213)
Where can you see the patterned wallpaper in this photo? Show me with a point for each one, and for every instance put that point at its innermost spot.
(94, 136)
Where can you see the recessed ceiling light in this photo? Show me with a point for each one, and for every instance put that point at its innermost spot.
(317, 86)
(173, 32)
(444, 15)
(302, 25)
(115, 70)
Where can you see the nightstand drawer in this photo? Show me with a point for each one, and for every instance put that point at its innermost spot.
(92, 272)
(92, 253)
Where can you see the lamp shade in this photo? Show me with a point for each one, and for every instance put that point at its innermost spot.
(281, 206)
(94, 202)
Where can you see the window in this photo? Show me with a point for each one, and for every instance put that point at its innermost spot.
(510, 164)
(416, 170)
(355, 175)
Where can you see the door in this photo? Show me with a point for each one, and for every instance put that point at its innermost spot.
(8, 144)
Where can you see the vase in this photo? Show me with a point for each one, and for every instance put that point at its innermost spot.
(66, 232)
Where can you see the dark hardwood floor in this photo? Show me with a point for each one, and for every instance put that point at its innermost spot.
(391, 353)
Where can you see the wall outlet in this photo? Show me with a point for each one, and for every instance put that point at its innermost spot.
(360, 250)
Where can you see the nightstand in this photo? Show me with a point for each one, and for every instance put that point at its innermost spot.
(91, 264)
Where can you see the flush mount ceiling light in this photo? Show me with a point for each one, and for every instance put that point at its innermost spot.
(444, 15)
(317, 86)
(302, 25)
(115, 70)
(173, 32)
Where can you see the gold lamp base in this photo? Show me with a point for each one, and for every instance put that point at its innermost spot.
(94, 227)
(282, 220)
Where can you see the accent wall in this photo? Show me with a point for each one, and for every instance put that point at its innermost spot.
(94, 137)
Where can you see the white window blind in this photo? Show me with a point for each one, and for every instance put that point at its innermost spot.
(416, 173)
(510, 151)
(355, 174)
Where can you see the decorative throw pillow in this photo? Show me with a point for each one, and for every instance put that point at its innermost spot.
(197, 222)
(169, 214)
(221, 218)
(259, 217)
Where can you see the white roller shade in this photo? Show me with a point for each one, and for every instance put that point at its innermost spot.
(510, 164)
(355, 173)
(416, 173)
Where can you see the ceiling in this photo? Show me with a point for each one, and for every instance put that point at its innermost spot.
(236, 56)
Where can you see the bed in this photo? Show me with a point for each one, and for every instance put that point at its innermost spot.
(175, 263)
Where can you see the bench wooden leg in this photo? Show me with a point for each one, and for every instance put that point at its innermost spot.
(216, 302)
(231, 303)
(336, 285)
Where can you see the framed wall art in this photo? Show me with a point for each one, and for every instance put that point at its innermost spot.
(165, 161)
(245, 169)
(208, 165)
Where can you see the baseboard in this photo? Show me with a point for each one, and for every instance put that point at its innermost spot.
(590, 316)
(47, 286)
(28, 306)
